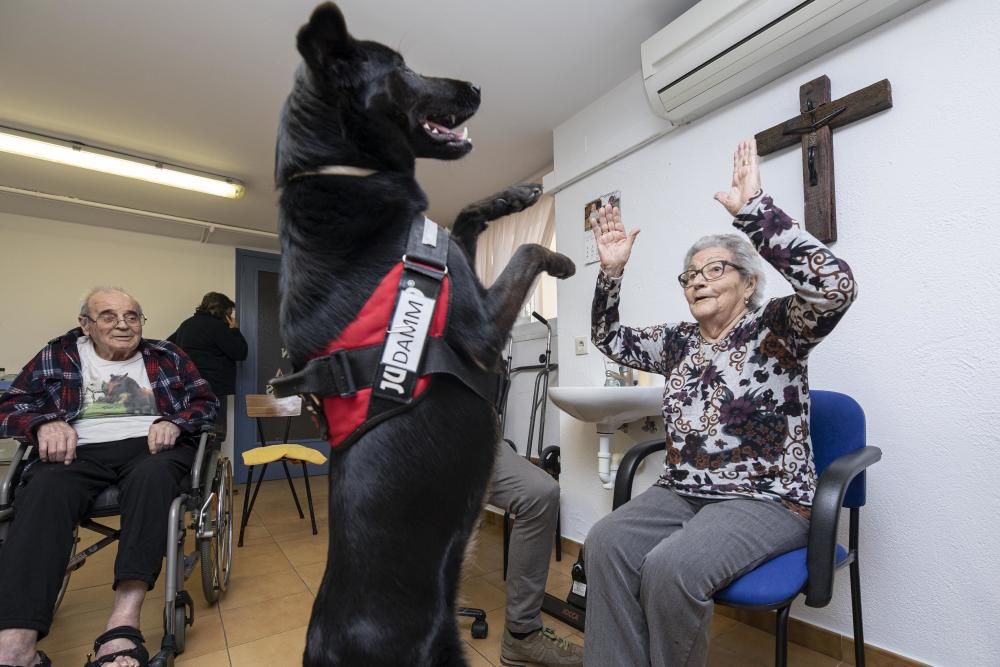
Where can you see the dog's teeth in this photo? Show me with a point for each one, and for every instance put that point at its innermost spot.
(465, 133)
(435, 131)
(427, 127)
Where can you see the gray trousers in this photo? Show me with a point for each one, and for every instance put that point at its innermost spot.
(530, 493)
(654, 564)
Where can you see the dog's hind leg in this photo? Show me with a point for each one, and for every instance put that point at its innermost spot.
(475, 218)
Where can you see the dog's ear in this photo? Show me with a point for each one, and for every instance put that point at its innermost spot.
(325, 38)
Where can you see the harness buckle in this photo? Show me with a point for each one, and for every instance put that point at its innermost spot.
(340, 373)
(432, 270)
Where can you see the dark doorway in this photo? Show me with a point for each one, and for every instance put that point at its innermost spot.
(257, 304)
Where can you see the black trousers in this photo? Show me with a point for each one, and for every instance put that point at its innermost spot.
(52, 499)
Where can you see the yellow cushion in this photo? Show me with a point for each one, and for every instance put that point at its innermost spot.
(271, 453)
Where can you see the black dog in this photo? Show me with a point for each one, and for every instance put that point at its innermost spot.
(404, 498)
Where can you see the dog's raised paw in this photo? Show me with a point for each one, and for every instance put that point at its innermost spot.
(518, 197)
(512, 200)
(560, 266)
(477, 216)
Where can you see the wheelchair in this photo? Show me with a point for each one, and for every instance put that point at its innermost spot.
(205, 507)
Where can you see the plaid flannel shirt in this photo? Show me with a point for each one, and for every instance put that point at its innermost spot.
(50, 387)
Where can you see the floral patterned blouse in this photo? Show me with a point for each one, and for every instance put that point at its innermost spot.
(736, 411)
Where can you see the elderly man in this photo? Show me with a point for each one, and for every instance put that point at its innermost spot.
(103, 406)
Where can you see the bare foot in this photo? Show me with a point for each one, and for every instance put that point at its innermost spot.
(19, 658)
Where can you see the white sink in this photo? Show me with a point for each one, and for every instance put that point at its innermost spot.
(608, 407)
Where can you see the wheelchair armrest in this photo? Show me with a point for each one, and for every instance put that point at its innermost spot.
(628, 467)
(206, 441)
(13, 475)
(827, 503)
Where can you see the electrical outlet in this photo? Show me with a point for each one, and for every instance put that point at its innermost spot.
(581, 344)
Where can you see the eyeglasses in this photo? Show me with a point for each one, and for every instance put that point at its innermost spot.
(111, 320)
(711, 271)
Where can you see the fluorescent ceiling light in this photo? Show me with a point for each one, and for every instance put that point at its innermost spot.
(109, 162)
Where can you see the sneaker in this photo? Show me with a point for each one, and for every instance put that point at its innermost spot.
(541, 649)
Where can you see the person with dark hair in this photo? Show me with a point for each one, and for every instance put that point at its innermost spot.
(212, 338)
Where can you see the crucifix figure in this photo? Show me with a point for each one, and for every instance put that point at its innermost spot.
(811, 128)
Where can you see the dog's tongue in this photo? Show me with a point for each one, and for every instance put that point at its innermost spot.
(441, 129)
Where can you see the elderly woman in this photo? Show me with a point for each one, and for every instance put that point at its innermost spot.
(739, 476)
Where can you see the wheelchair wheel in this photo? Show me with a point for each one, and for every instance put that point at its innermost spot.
(180, 628)
(181, 621)
(216, 551)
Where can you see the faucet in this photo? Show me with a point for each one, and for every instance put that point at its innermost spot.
(620, 378)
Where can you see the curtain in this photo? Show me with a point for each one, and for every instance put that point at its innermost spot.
(497, 244)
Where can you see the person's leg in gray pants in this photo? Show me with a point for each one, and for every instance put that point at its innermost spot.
(529, 493)
(654, 563)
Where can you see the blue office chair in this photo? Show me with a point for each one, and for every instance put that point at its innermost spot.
(837, 426)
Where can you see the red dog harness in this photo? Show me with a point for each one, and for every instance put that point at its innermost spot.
(381, 362)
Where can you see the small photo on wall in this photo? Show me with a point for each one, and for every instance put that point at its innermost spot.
(589, 215)
(590, 209)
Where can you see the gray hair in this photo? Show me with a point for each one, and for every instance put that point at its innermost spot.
(745, 257)
(100, 290)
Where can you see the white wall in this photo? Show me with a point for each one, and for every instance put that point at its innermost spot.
(49, 266)
(917, 189)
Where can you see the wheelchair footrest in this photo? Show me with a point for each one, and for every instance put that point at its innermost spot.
(162, 659)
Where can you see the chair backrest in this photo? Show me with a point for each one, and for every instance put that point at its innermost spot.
(837, 427)
(266, 405)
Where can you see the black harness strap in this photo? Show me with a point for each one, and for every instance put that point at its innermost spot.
(344, 372)
(341, 373)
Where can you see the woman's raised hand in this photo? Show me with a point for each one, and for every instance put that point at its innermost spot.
(746, 178)
(614, 244)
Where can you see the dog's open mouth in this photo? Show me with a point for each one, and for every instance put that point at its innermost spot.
(440, 130)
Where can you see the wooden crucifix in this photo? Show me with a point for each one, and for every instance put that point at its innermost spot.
(811, 129)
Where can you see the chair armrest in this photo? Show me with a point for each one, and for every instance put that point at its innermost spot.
(549, 461)
(827, 503)
(13, 475)
(629, 465)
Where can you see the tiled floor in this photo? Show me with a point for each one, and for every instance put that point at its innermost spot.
(262, 619)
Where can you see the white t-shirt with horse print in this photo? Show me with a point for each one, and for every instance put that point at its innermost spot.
(118, 401)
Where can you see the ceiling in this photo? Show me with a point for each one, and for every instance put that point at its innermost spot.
(200, 83)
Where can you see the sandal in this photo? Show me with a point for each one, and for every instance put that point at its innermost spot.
(43, 661)
(138, 651)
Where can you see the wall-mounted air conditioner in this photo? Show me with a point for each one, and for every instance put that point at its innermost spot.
(720, 50)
